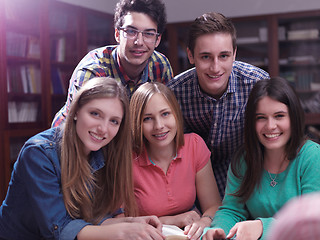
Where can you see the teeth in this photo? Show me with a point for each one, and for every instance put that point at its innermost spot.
(272, 135)
(96, 136)
(160, 135)
(212, 76)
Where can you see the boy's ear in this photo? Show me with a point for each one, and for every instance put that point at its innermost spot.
(117, 35)
(190, 56)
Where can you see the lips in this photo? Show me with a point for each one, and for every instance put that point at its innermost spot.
(160, 135)
(274, 135)
(96, 136)
(137, 52)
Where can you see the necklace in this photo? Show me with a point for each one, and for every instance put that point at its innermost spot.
(273, 180)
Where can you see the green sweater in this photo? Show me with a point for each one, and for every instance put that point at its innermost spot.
(301, 176)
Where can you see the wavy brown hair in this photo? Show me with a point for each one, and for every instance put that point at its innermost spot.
(252, 151)
(138, 104)
(211, 23)
(92, 196)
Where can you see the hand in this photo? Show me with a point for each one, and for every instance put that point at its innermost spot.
(120, 231)
(195, 230)
(185, 219)
(247, 230)
(152, 220)
(138, 231)
(212, 234)
(181, 220)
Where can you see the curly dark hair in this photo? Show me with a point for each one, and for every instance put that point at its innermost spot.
(155, 9)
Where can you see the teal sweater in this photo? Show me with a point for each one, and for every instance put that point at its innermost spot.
(301, 176)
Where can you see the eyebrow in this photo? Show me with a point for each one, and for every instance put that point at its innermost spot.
(273, 113)
(208, 53)
(133, 27)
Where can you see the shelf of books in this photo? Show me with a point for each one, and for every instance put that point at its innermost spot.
(299, 59)
(41, 42)
(98, 34)
(252, 41)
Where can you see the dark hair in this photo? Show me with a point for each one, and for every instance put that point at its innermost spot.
(153, 8)
(280, 90)
(211, 23)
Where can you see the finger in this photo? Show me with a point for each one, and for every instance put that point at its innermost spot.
(232, 232)
(192, 231)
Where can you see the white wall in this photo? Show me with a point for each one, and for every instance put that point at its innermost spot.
(188, 10)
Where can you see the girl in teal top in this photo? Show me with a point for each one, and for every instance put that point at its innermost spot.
(275, 164)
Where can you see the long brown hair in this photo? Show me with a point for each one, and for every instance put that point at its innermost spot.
(138, 104)
(92, 196)
(280, 90)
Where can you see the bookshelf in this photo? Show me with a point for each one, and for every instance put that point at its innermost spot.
(284, 44)
(41, 42)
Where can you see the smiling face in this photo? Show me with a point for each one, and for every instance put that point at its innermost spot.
(159, 124)
(135, 52)
(213, 58)
(272, 124)
(98, 122)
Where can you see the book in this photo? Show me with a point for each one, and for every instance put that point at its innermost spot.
(172, 232)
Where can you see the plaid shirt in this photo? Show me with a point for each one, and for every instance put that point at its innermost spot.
(219, 122)
(103, 62)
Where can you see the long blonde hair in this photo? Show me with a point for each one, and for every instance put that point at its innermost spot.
(138, 104)
(92, 196)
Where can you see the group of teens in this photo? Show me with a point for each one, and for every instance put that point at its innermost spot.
(217, 150)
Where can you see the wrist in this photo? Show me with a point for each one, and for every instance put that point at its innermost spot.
(207, 216)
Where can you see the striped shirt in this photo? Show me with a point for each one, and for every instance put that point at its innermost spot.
(103, 62)
(219, 122)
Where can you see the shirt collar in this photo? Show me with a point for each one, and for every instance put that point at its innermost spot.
(144, 161)
(97, 160)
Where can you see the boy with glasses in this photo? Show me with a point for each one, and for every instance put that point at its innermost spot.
(138, 27)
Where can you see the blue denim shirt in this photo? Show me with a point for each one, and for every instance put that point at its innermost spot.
(34, 206)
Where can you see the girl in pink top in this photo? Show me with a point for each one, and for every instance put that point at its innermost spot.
(170, 168)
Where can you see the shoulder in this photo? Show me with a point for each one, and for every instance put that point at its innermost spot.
(46, 139)
(185, 79)
(310, 148)
(193, 140)
(40, 151)
(157, 56)
(248, 71)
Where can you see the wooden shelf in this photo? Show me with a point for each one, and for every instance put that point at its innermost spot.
(264, 42)
(33, 27)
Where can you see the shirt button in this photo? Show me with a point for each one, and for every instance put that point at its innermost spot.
(215, 125)
(55, 227)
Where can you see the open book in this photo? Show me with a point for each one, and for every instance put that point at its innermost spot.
(173, 232)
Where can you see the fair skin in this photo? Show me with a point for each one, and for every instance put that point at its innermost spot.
(274, 132)
(134, 228)
(159, 129)
(213, 58)
(97, 123)
(134, 53)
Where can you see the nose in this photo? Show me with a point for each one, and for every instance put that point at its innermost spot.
(139, 39)
(102, 126)
(158, 123)
(214, 66)
(271, 123)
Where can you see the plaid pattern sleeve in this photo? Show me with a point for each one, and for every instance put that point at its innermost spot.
(219, 122)
(102, 62)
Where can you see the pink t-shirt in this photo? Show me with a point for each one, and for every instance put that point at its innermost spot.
(162, 195)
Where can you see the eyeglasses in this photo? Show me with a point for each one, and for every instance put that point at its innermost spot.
(148, 36)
